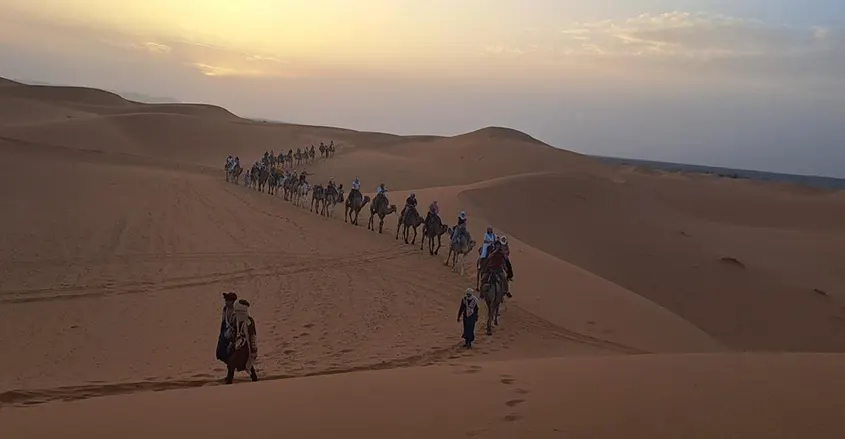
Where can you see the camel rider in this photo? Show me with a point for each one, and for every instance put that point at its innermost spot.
(229, 162)
(433, 211)
(489, 240)
(497, 264)
(380, 194)
(460, 228)
(302, 176)
(508, 267)
(410, 202)
(332, 185)
(237, 162)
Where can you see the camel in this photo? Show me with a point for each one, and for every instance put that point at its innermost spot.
(332, 197)
(233, 174)
(288, 187)
(275, 182)
(263, 176)
(493, 293)
(253, 177)
(330, 150)
(461, 248)
(311, 155)
(302, 194)
(434, 228)
(354, 205)
(380, 207)
(317, 197)
(411, 219)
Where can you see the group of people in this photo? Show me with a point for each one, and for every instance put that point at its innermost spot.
(237, 344)
(494, 260)
(232, 163)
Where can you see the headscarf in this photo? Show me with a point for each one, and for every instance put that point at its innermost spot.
(471, 302)
(241, 308)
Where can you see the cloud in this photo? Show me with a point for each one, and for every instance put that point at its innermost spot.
(693, 46)
(696, 36)
(51, 37)
(155, 48)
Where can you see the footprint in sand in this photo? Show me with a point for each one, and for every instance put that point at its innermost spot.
(514, 402)
(512, 417)
(522, 391)
(308, 326)
(507, 381)
(289, 351)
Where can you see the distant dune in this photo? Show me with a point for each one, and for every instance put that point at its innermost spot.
(646, 304)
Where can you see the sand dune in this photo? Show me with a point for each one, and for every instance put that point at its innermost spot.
(649, 397)
(667, 242)
(121, 234)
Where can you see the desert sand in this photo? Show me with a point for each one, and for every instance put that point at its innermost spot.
(646, 304)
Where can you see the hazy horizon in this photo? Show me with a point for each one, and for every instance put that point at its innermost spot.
(753, 84)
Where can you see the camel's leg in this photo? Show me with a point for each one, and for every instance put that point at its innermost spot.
(439, 244)
(380, 224)
(489, 314)
(399, 223)
(414, 241)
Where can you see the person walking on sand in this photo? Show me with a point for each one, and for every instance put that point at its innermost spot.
(244, 346)
(468, 312)
(227, 326)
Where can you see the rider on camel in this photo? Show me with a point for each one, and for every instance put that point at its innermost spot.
(380, 193)
(356, 189)
(497, 263)
(302, 176)
(410, 202)
(229, 162)
(460, 228)
(433, 211)
(489, 240)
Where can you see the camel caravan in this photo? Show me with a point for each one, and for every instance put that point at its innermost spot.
(493, 268)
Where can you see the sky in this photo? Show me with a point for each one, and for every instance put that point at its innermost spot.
(757, 84)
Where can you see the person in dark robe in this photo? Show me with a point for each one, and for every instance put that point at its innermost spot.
(244, 347)
(227, 326)
(468, 313)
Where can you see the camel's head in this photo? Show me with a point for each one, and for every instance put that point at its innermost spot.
(391, 209)
(470, 246)
(365, 200)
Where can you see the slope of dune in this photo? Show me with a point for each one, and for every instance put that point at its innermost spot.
(578, 303)
(648, 397)
(671, 241)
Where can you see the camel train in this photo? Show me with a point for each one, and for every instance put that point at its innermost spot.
(493, 269)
